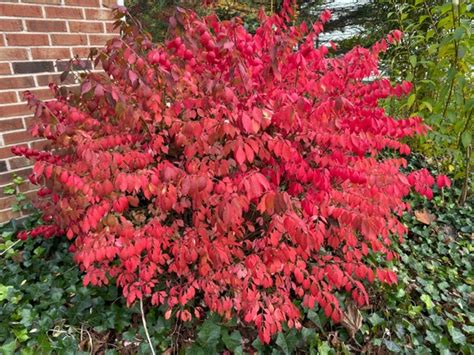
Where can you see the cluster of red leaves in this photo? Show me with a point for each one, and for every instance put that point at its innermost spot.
(228, 171)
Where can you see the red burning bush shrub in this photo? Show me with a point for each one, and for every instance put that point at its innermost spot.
(228, 171)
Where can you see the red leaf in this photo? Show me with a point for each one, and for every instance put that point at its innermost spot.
(240, 155)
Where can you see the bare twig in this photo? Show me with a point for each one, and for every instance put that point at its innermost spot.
(146, 328)
(11, 246)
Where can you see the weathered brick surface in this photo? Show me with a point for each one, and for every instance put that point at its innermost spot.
(27, 39)
(64, 12)
(46, 26)
(11, 124)
(86, 27)
(5, 68)
(50, 53)
(69, 40)
(7, 97)
(8, 54)
(20, 10)
(32, 67)
(11, 26)
(37, 39)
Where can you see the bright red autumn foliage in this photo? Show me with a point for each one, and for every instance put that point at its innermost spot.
(233, 170)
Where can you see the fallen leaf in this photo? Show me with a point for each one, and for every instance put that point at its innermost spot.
(352, 319)
(423, 216)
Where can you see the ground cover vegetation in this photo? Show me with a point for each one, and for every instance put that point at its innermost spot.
(228, 191)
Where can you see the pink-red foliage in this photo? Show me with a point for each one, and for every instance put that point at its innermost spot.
(241, 172)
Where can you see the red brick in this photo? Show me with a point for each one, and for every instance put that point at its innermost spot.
(85, 27)
(41, 144)
(46, 26)
(9, 54)
(30, 195)
(88, 3)
(14, 110)
(27, 39)
(99, 40)
(45, 80)
(8, 97)
(8, 202)
(6, 152)
(109, 3)
(11, 125)
(18, 163)
(69, 40)
(27, 186)
(7, 178)
(52, 2)
(80, 65)
(8, 25)
(82, 52)
(3, 194)
(17, 137)
(50, 53)
(42, 94)
(17, 82)
(110, 28)
(7, 215)
(13, 10)
(63, 12)
(93, 14)
(5, 69)
(29, 121)
(2, 41)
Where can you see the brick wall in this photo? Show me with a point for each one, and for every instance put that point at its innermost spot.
(37, 38)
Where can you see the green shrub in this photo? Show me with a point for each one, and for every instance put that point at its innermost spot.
(437, 55)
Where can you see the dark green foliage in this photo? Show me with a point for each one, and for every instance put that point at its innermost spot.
(430, 310)
(43, 306)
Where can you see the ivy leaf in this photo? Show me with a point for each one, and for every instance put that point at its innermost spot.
(209, 334)
(4, 290)
(432, 337)
(392, 346)
(469, 329)
(196, 350)
(457, 336)
(281, 342)
(307, 333)
(314, 317)
(21, 334)
(375, 319)
(428, 302)
(324, 348)
(233, 340)
(9, 348)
